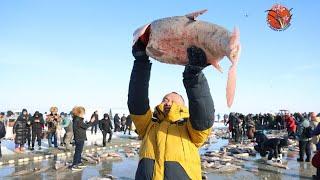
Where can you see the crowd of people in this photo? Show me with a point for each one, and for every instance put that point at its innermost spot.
(62, 130)
(303, 127)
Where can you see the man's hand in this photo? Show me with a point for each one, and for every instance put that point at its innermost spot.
(139, 51)
(197, 57)
(197, 61)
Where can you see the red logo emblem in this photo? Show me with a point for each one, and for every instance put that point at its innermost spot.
(279, 17)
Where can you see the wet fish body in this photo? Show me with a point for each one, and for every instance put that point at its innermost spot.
(167, 41)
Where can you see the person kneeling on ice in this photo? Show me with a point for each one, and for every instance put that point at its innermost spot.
(79, 132)
(172, 134)
(272, 147)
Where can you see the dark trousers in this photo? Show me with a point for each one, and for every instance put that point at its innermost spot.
(29, 137)
(104, 134)
(54, 136)
(274, 152)
(36, 134)
(233, 133)
(304, 147)
(127, 128)
(122, 127)
(94, 127)
(78, 152)
(116, 128)
(237, 134)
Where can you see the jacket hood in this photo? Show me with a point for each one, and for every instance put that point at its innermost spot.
(177, 112)
(24, 110)
(105, 116)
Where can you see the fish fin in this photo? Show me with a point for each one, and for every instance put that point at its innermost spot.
(231, 84)
(216, 65)
(154, 52)
(235, 46)
(139, 32)
(194, 15)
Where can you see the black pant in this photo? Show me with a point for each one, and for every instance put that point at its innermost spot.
(274, 152)
(237, 134)
(29, 137)
(36, 134)
(116, 128)
(104, 134)
(78, 152)
(127, 128)
(304, 147)
(94, 126)
(122, 127)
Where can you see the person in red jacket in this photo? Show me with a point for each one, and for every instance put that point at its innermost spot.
(291, 125)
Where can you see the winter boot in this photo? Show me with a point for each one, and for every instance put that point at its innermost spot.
(308, 159)
(300, 159)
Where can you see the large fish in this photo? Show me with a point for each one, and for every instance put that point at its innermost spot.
(167, 40)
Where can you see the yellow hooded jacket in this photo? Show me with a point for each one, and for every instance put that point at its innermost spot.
(170, 138)
(170, 143)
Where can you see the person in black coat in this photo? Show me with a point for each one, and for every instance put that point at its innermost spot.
(105, 126)
(20, 131)
(128, 124)
(116, 121)
(123, 122)
(79, 132)
(272, 145)
(95, 122)
(37, 122)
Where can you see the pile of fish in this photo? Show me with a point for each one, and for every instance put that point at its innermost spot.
(29, 172)
(97, 157)
(130, 150)
(240, 150)
(220, 162)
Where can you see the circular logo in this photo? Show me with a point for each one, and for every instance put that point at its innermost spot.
(279, 17)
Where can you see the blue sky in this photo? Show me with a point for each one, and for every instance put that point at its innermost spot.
(68, 53)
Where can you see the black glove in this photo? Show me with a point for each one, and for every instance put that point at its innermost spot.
(197, 60)
(139, 51)
(197, 57)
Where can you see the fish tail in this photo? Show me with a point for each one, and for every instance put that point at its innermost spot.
(235, 46)
(231, 85)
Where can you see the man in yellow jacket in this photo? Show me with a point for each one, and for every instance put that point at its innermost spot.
(172, 133)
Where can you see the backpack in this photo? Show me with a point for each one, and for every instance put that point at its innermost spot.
(2, 130)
